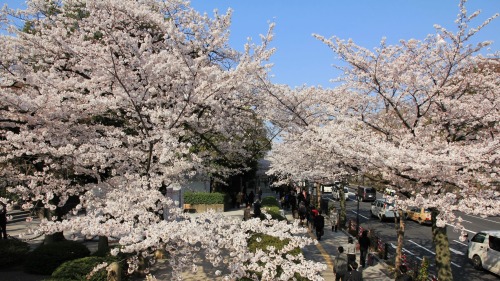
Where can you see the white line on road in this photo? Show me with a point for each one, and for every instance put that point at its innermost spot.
(478, 217)
(474, 232)
(460, 243)
(457, 252)
(404, 250)
(432, 252)
(418, 245)
(360, 215)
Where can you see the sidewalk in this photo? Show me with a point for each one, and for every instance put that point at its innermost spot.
(323, 252)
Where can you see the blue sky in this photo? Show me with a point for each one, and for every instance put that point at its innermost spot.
(301, 59)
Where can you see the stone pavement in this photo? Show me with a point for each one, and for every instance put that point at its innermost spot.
(324, 252)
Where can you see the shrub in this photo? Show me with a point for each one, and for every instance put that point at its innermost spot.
(13, 251)
(46, 258)
(274, 212)
(79, 269)
(270, 201)
(204, 198)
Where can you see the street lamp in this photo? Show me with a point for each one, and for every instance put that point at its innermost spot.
(357, 219)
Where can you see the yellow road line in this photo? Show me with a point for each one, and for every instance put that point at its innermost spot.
(322, 250)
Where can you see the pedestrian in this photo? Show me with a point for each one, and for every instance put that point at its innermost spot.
(354, 274)
(313, 212)
(239, 199)
(364, 245)
(251, 197)
(302, 212)
(247, 213)
(350, 249)
(340, 266)
(256, 209)
(260, 194)
(3, 219)
(319, 224)
(334, 219)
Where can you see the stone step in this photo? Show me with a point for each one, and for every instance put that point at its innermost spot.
(18, 215)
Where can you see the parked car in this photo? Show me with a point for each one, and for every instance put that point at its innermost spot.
(366, 193)
(484, 251)
(419, 214)
(383, 210)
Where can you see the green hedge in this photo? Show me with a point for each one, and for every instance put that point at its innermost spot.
(204, 198)
(46, 258)
(12, 251)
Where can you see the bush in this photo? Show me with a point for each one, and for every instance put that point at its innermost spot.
(274, 212)
(46, 258)
(270, 201)
(78, 269)
(13, 251)
(204, 198)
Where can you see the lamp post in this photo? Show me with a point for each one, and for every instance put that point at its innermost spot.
(357, 219)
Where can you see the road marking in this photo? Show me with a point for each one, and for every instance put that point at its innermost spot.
(457, 252)
(474, 232)
(360, 215)
(455, 264)
(418, 245)
(478, 217)
(460, 243)
(404, 250)
(466, 221)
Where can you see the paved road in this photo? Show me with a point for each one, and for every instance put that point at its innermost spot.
(418, 240)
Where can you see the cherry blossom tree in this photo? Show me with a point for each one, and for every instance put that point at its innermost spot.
(105, 103)
(427, 121)
(421, 116)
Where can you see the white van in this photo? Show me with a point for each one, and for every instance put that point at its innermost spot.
(484, 250)
(383, 210)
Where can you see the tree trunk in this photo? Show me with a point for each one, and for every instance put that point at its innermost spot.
(103, 245)
(55, 237)
(343, 213)
(318, 196)
(400, 230)
(443, 255)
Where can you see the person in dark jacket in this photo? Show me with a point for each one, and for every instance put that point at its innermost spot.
(3, 219)
(319, 224)
(354, 274)
(256, 209)
(364, 244)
